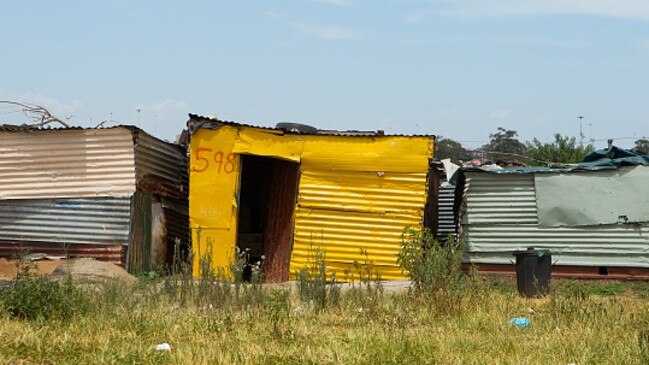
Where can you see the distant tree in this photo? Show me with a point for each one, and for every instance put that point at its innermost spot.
(642, 145)
(504, 145)
(38, 115)
(562, 150)
(448, 148)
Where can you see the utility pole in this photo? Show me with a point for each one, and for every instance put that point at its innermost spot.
(581, 131)
(138, 116)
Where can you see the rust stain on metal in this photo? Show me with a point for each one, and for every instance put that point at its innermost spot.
(115, 254)
(278, 238)
(570, 271)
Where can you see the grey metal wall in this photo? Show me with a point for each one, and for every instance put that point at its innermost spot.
(74, 220)
(499, 217)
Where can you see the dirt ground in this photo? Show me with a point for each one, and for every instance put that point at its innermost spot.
(9, 268)
(80, 269)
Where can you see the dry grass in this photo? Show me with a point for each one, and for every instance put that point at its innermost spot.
(124, 323)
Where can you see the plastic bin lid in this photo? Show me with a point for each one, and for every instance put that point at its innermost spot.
(532, 251)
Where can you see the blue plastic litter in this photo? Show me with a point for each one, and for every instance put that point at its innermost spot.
(520, 322)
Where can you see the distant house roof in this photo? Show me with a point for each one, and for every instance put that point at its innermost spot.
(604, 159)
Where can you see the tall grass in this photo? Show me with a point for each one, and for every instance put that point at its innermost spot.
(209, 321)
(123, 324)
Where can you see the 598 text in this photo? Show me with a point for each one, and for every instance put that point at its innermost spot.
(206, 156)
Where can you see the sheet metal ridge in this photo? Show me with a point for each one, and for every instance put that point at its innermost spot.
(196, 122)
(540, 170)
(11, 128)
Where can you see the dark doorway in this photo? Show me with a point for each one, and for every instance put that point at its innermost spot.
(266, 202)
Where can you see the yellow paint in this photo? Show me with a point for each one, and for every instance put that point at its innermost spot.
(261, 143)
(356, 217)
(356, 195)
(212, 196)
(405, 154)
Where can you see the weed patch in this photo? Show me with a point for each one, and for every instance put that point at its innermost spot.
(33, 297)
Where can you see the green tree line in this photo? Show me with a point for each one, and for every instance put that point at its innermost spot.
(504, 145)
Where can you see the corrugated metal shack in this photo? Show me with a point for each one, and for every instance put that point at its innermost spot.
(283, 194)
(594, 218)
(114, 194)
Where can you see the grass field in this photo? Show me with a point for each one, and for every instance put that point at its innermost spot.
(209, 323)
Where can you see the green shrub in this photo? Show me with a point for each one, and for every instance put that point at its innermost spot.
(312, 283)
(39, 298)
(431, 266)
(278, 309)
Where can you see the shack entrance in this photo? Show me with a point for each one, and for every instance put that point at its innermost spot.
(268, 194)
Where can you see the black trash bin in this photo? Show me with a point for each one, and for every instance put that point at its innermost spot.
(533, 269)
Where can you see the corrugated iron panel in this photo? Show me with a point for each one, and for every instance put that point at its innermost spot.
(139, 249)
(508, 200)
(90, 221)
(496, 199)
(177, 221)
(445, 215)
(66, 163)
(115, 254)
(356, 217)
(161, 167)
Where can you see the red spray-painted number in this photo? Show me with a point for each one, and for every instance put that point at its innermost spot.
(224, 162)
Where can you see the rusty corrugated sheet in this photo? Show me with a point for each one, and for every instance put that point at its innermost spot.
(356, 217)
(278, 233)
(161, 167)
(139, 248)
(115, 254)
(500, 217)
(75, 220)
(66, 163)
(570, 271)
(177, 221)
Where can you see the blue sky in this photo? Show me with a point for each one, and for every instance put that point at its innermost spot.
(457, 68)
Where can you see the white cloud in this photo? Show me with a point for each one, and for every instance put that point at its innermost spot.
(331, 32)
(634, 9)
(163, 105)
(61, 109)
(444, 112)
(418, 16)
(325, 32)
(334, 2)
(499, 114)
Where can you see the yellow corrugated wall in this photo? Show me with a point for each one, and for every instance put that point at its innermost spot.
(356, 194)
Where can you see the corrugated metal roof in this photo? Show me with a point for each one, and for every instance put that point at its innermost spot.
(59, 221)
(356, 213)
(66, 163)
(500, 218)
(198, 121)
(161, 167)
